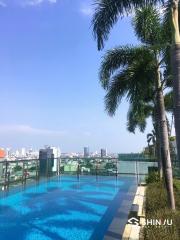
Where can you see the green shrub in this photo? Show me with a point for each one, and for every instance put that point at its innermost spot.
(171, 232)
(17, 168)
(33, 168)
(157, 208)
(152, 177)
(156, 197)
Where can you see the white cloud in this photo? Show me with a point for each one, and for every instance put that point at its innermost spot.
(26, 129)
(53, 1)
(24, 3)
(87, 10)
(37, 2)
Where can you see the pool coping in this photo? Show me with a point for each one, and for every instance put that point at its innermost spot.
(134, 231)
(116, 228)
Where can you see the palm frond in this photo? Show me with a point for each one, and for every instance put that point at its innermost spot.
(107, 13)
(119, 58)
(147, 25)
(117, 90)
(134, 82)
(137, 116)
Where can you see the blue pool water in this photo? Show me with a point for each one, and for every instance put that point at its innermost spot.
(62, 208)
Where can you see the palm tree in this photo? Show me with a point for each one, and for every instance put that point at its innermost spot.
(151, 137)
(107, 13)
(137, 118)
(135, 72)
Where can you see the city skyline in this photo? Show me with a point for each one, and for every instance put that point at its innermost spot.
(50, 88)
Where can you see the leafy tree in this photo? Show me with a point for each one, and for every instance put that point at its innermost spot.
(17, 168)
(137, 118)
(108, 12)
(135, 72)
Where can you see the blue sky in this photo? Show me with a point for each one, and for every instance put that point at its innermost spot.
(50, 93)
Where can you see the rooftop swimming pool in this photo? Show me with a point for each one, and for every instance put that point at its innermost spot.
(66, 208)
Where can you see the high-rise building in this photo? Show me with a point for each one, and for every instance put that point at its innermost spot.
(103, 152)
(8, 153)
(23, 152)
(17, 153)
(57, 154)
(86, 152)
(46, 161)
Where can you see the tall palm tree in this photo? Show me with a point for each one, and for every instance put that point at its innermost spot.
(137, 118)
(151, 137)
(108, 12)
(136, 71)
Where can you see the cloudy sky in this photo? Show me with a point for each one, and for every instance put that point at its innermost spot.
(50, 93)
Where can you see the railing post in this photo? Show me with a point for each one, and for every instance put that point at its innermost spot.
(47, 167)
(78, 170)
(23, 173)
(96, 169)
(8, 175)
(37, 175)
(116, 168)
(58, 166)
(5, 180)
(136, 171)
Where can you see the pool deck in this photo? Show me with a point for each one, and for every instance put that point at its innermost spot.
(116, 228)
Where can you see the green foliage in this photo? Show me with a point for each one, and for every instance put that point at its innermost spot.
(17, 168)
(110, 165)
(156, 208)
(152, 177)
(172, 138)
(137, 116)
(168, 100)
(89, 165)
(33, 168)
(107, 13)
(147, 25)
(127, 72)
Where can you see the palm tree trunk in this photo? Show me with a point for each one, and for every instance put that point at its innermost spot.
(158, 154)
(175, 57)
(158, 148)
(176, 86)
(165, 153)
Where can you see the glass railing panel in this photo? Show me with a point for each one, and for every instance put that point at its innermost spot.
(127, 167)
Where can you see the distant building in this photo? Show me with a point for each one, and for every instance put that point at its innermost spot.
(17, 153)
(103, 152)
(57, 154)
(46, 161)
(86, 152)
(8, 153)
(2, 157)
(23, 152)
(2, 153)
